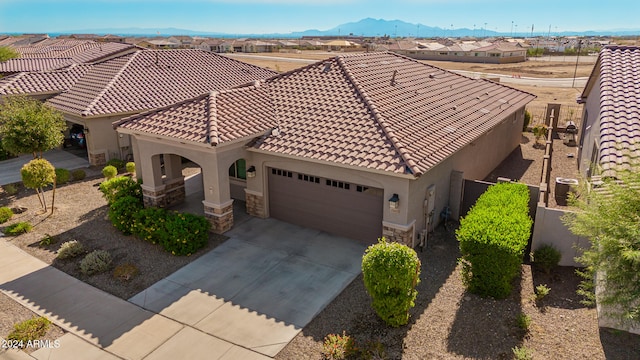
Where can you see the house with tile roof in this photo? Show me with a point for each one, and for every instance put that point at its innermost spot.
(360, 145)
(609, 140)
(98, 94)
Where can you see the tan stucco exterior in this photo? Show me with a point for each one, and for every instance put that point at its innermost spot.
(475, 161)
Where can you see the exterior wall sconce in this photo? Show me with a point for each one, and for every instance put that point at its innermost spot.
(251, 171)
(394, 201)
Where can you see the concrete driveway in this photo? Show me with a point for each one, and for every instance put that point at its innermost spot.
(259, 288)
(10, 169)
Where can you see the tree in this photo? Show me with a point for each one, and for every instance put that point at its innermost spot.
(29, 126)
(36, 174)
(7, 53)
(391, 272)
(610, 218)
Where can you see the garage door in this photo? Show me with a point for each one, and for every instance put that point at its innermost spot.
(337, 207)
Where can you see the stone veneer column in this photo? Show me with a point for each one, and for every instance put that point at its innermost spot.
(97, 159)
(403, 234)
(174, 191)
(255, 203)
(165, 195)
(219, 215)
(154, 196)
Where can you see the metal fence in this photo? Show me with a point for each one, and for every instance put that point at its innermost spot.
(567, 113)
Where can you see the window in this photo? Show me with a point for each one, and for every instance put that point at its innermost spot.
(338, 184)
(284, 173)
(361, 188)
(238, 170)
(309, 178)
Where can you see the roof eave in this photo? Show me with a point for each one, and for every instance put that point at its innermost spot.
(331, 163)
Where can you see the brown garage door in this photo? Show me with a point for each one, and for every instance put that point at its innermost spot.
(337, 207)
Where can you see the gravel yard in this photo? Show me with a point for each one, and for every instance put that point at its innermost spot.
(446, 323)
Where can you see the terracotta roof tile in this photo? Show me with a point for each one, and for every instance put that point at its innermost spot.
(619, 68)
(153, 78)
(42, 82)
(33, 64)
(213, 118)
(379, 111)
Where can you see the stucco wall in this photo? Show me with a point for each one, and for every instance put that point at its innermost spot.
(390, 184)
(590, 132)
(550, 230)
(101, 137)
(475, 161)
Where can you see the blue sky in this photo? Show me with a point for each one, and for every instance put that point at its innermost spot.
(284, 16)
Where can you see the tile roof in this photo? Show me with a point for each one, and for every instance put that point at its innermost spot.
(378, 111)
(33, 64)
(212, 119)
(384, 111)
(45, 82)
(153, 78)
(619, 70)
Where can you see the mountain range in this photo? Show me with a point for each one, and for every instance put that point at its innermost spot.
(366, 27)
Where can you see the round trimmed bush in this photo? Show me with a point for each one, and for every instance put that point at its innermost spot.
(97, 261)
(117, 163)
(5, 214)
(62, 176)
(391, 272)
(109, 172)
(78, 174)
(130, 167)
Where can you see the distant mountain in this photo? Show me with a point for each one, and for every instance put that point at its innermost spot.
(365, 27)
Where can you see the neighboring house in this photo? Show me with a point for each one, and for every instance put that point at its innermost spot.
(359, 146)
(610, 133)
(96, 95)
(479, 52)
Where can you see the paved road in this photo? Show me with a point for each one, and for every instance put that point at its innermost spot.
(579, 82)
(507, 79)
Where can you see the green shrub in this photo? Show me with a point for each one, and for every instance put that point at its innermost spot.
(185, 233)
(130, 167)
(96, 262)
(374, 350)
(5, 214)
(493, 237)
(78, 174)
(125, 272)
(121, 213)
(119, 187)
(47, 240)
(29, 330)
(527, 120)
(116, 163)
(10, 189)
(18, 228)
(542, 290)
(109, 172)
(521, 353)
(523, 321)
(391, 272)
(150, 224)
(546, 258)
(69, 249)
(62, 176)
(338, 346)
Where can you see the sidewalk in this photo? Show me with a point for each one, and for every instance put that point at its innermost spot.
(101, 326)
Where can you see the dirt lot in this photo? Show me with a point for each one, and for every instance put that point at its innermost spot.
(557, 69)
